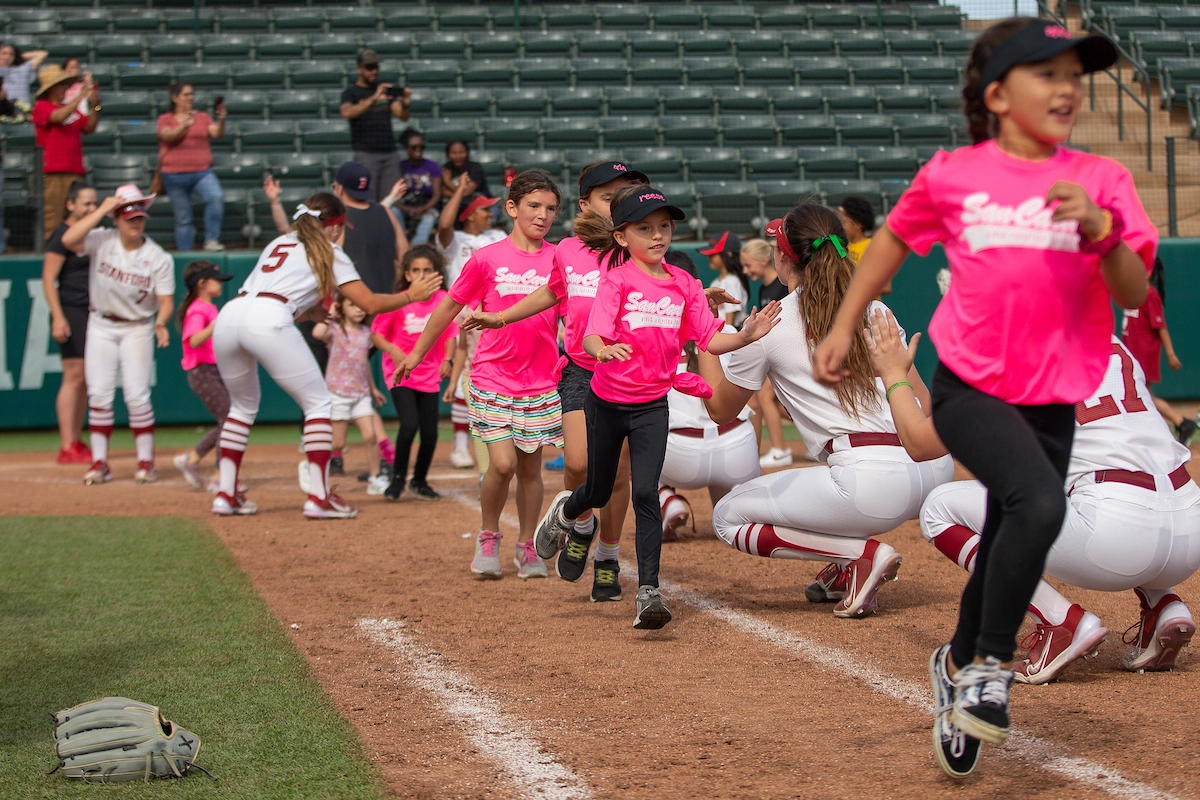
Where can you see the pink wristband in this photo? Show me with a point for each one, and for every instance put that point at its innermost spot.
(1110, 242)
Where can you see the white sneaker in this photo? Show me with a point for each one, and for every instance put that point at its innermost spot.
(304, 476)
(224, 506)
(461, 459)
(213, 246)
(377, 485)
(776, 458)
(188, 471)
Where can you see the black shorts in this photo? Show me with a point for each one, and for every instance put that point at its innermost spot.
(573, 386)
(77, 318)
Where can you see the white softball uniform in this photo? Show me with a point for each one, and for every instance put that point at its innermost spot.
(1133, 513)
(461, 248)
(870, 485)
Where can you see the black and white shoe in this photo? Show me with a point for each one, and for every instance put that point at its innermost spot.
(652, 613)
(423, 491)
(606, 583)
(572, 561)
(981, 700)
(337, 466)
(553, 529)
(956, 753)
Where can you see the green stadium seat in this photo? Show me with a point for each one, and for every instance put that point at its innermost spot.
(60, 46)
(601, 43)
(488, 72)
(956, 43)
(912, 43)
(226, 46)
(306, 168)
(268, 45)
(138, 135)
(802, 42)
(135, 104)
(916, 129)
(317, 74)
(298, 19)
(890, 16)
(1175, 75)
(600, 72)
(796, 99)
(946, 98)
(902, 98)
(936, 16)
(713, 163)
(705, 43)
(931, 69)
(463, 18)
(747, 129)
(236, 219)
(293, 104)
(570, 132)
(392, 44)
(576, 160)
(742, 99)
(629, 131)
(1149, 46)
(763, 43)
(781, 196)
(95, 20)
(868, 69)
(850, 98)
(865, 129)
(549, 44)
(783, 17)
(108, 171)
(276, 135)
(926, 152)
(468, 102)
(835, 191)
(430, 72)
(622, 16)
(348, 18)
(1180, 18)
(862, 43)
(103, 138)
(569, 16)
(203, 76)
(172, 46)
(660, 163)
(888, 162)
(580, 100)
(729, 17)
(144, 21)
(676, 16)
(160, 228)
(822, 70)
(536, 158)
(818, 163)
(728, 205)
(683, 195)
(833, 16)
(498, 44)
(643, 100)
(771, 163)
(689, 130)
(509, 132)
(1119, 21)
(239, 170)
(18, 168)
(105, 75)
(244, 20)
(119, 46)
(712, 70)
(685, 100)
(258, 74)
(321, 134)
(441, 45)
(407, 17)
(493, 162)
(528, 102)
(145, 76)
(655, 44)
(891, 189)
(440, 131)
(334, 45)
(506, 17)
(767, 71)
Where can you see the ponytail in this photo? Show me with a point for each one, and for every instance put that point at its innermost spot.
(311, 231)
(981, 123)
(593, 230)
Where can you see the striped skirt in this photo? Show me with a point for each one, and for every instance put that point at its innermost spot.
(531, 422)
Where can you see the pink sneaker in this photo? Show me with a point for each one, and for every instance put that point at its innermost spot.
(487, 555)
(1052, 647)
(1159, 635)
(527, 562)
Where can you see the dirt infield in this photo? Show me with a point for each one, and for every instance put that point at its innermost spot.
(526, 689)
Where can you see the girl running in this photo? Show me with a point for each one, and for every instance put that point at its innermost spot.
(514, 405)
(644, 312)
(1039, 238)
(293, 273)
(196, 317)
(415, 396)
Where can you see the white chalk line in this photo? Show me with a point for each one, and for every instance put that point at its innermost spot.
(501, 737)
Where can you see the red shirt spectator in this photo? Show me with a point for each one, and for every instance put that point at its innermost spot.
(61, 138)
(191, 152)
(1141, 335)
(61, 142)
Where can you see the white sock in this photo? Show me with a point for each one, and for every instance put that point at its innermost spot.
(461, 440)
(1048, 605)
(99, 446)
(144, 444)
(1154, 595)
(583, 525)
(607, 552)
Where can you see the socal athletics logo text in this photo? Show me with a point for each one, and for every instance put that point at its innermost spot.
(120, 276)
(582, 284)
(1029, 225)
(649, 314)
(414, 324)
(518, 283)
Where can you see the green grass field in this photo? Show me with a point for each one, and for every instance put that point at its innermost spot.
(156, 610)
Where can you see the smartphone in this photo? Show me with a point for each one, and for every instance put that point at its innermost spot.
(395, 92)
(218, 101)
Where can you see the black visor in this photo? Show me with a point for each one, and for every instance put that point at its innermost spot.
(608, 172)
(205, 274)
(1041, 42)
(641, 204)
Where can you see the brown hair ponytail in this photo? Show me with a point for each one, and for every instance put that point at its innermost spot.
(194, 291)
(311, 231)
(981, 123)
(825, 276)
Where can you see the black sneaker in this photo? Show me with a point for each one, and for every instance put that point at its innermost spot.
(423, 491)
(605, 583)
(981, 700)
(652, 614)
(363, 477)
(385, 468)
(1186, 430)
(572, 561)
(337, 466)
(956, 753)
(393, 491)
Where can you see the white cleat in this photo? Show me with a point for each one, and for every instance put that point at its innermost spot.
(332, 507)
(145, 473)
(99, 473)
(224, 506)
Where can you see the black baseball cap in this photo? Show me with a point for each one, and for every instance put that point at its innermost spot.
(355, 180)
(640, 205)
(727, 242)
(1042, 41)
(606, 173)
(205, 274)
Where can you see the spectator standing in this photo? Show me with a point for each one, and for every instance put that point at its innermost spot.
(369, 106)
(458, 162)
(61, 141)
(375, 242)
(65, 282)
(858, 218)
(16, 70)
(424, 179)
(725, 258)
(185, 163)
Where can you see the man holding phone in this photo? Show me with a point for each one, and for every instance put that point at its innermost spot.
(369, 106)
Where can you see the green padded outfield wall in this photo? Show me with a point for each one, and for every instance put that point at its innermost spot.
(30, 366)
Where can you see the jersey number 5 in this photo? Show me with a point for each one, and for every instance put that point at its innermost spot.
(1107, 407)
(280, 254)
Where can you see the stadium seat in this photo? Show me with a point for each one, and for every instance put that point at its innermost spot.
(1186, 18)
(903, 98)
(1175, 75)
(803, 42)
(430, 72)
(600, 72)
(622, 16)
(171, 46)
(806, 129)
(742, 99)
(683, 195)
(623, 131)
(268, 45)
(781, 196)
(569, 16)
(747, 129)
(493, 162)
(1149, 46)
(728, 205)
(468, 102)
(825, 162)
(275, 135)
(119, 46)
(160, 228)
(850, 98)
(914, 129)
(887, 15)
(441, 45)
(239, 170)
(665, 71)
(407, 17)
(729, 17)
(821, 70)
(865, 129)
(548, 44)
(226, 46)
(145, 76)
(245, 20)
(322, 134)
(868, 69)
(213, 77)
(463, 18)
(236, 218)
(835, 191)
(783, 17)
(955, 43)
(796, 99)
(660, 163)
(770, 163)
(542, 72)
(676, 16)
(134, 104)
(108, 171)
(314, 74)
(655, 44)
(643, 100)
(580, 100)
(391, 44)
(600, 44)
(537, 157)
(348, 18)
(1120, 20)
(834, 16)
(916, 43)
(931, 69)
(498, 44)
(576, 160)
(713, 163)
(705, 43)
(506, 132)
(258, 74)
(862, 43)
(689, 130)
(685, 99)
(712, 70)
(891, 189)
(145, 21)
(762, 43)
(292, 104)
(520, 102)
(186, 20)
(138, 135)
(60, 46)
(936, 16)
(570, 132)
(946, 97)
(105, 75)
(506, 16)
(96, 20)
(767, 71)
(888, 162)
(104, 137)
(305, 168)
(334, 45)
(306, 19)
(442, 130)
(488, 72)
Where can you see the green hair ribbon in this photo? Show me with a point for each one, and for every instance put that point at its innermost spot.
(835, 239)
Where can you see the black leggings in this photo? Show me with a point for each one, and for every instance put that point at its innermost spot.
(417, 411)
(1020, 453)
(608, 426)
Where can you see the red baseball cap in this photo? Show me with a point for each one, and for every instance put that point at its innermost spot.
(478, 202)
(726, 243)
(774, 227)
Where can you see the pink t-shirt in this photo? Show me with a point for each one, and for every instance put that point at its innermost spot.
(517, 360)
(347, 371)
(192, 153)
(576, 277)
(198, 317)
(656, 317)
(402, 328)
(1027, 318)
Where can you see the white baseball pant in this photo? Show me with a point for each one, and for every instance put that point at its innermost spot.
(828, 513)
(719, 461)
(127, 349)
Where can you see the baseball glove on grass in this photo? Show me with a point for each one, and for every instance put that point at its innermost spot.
(118, 739)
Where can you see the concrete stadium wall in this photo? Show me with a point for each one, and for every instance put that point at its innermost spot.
(30, 366)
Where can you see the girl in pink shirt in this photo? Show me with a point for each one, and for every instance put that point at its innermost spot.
(645, 310)
(514, 403)
(196, 316)
(416, 395)
(1038, 238)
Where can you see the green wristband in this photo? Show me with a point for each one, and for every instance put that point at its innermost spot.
(895, 386)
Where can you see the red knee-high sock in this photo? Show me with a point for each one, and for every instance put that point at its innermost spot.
(100, 426)
(234, 436)
(958, 544)
(318, 446)
(141, 422)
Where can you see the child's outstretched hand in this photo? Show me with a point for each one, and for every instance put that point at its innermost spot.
(891, 359)
(759, 323)
(478, 320)
(614, 352)
(423, 287)
(1074, 203)
(717, 297)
